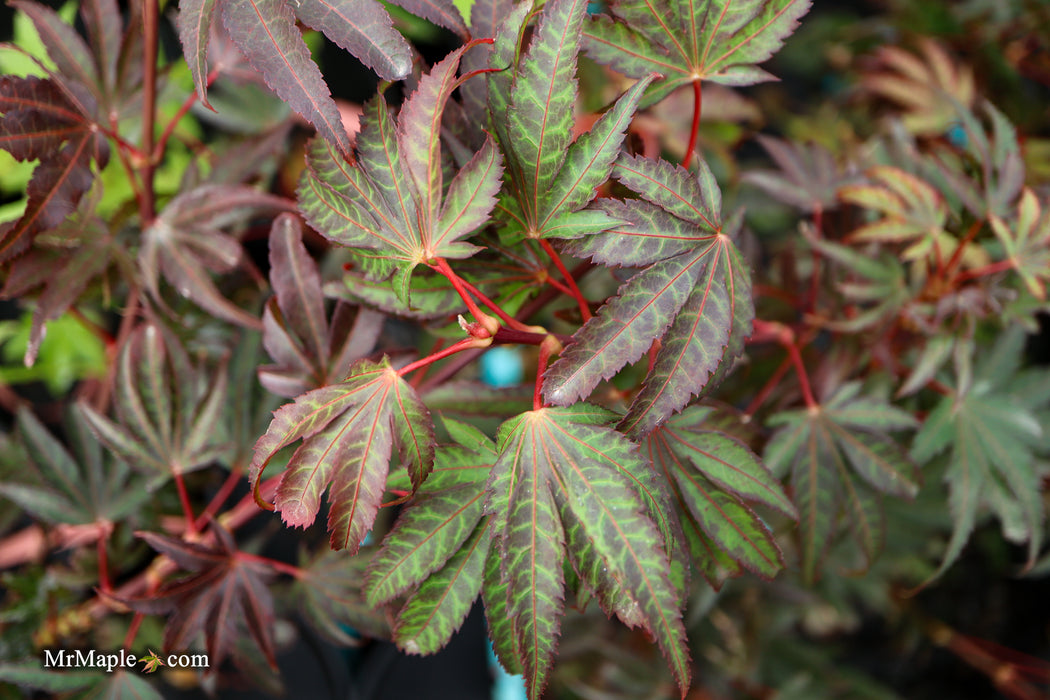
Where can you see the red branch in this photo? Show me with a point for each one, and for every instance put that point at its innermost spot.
(772, 331)
(695, 128)
(585, 308)
(465, 344)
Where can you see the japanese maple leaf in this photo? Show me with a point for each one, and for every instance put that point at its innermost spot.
(437, 550)
(226, 596)
(50, 122)
(686, 41)
(1027, 242)
(266, 33)
(167, 410)
(995, 438)
(309, 350)
(348, 431)
(79, 485)
(186, 241)
(550, 177)
(566, 486)
(825, 450)
(929, 88)
(392, 200)
(713, 478)
(56, 119)
(694, 293)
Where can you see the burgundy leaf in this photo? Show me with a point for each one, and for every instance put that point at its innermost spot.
(265, 32)
(297, 284)
(363, 28)
(194, 24)
(443, 13)
(224, 598)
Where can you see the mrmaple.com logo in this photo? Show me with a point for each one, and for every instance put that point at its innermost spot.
(108, 661)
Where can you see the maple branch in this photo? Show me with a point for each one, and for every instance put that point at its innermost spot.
(465, 344)
(163, 566)
(284, 567)
(548, 347)
(814, 280)
(545, 297)
(585, 308)
(994, 268)
(149, 104)
(459, 284)
(184, 499)
(133, 630)
(773, 331)
(767, 388)
(123, 149)
(465, 289)
(971, 233)
(220, 497)
(103, 565)
(695, 128)
(418, 379)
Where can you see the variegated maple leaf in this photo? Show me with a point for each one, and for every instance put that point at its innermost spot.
(721, 41)
(694, 293)
(392, 201)
(349, 431)
(266, 33)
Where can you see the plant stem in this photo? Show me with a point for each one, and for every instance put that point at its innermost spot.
(767, 388)
(466, 289)
(283, 567)
(814, 280)
(772, 331)
(585, 308)
(460, 285)
(162, 142)
(654, 350)
(103, 565)
(127, 322)
(123, 150)
(133, 630)
(695, 128)
(465, 344)
(184, 498)
(232, 479)
(549, 345)
(149, 104)
(418, 379)
(996, 267)
(975, 227)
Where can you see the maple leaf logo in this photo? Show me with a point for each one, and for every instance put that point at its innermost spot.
(152, 662)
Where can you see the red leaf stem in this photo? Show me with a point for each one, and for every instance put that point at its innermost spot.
(575, 292)
(695, 128)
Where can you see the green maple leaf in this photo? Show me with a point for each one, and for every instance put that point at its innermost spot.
(1027, 243)
(76, 487)
(564, 485)
(694, 293)
(166, 409)
(720, 41)
(713, 477)
(437, 550)
(840, 457)
(551, 178)
(996, 444)
(391, 200)
(152, 662)
(348, 431)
